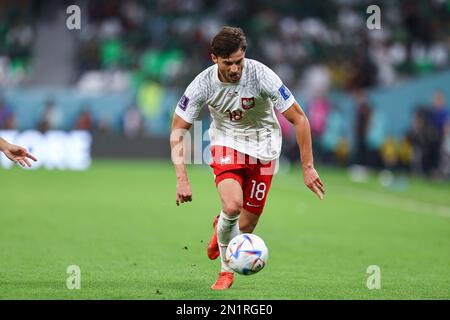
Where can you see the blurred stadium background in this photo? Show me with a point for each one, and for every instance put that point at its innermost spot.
(99, 98)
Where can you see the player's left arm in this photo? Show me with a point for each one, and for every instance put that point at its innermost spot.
(297, 117)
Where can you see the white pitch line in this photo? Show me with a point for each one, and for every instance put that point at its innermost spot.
(391, 201)
(387, 200)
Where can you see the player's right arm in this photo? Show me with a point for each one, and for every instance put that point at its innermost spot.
(186, 112)
(179, 128)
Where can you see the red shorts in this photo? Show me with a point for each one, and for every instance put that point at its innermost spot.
(253, 175)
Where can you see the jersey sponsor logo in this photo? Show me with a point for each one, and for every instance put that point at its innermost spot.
(285, 93)
(183, 103)
(248, 103)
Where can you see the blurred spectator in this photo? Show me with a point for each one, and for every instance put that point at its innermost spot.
(52, 118)
(440, 123)
(405, 154)
(440, 114)
(156, 47)
(316, 82)
(363, 72)
(446, 156)
(19, 37)
(334, 144)
(7, 119)
(159, 37)
(381, 147)
(318, 111)
(386, 73)
(428, 134)
(132, 122)
(418, 138)
(84, 121)
(363, 115)
(389, 153)
(104, 123)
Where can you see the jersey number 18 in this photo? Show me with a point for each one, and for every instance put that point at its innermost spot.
(235, 115)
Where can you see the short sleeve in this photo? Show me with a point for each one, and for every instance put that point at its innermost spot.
(192, 101)
(275, 90)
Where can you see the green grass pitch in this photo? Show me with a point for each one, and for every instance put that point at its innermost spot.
(119, 223)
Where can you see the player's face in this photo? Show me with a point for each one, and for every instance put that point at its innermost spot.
(230, 68)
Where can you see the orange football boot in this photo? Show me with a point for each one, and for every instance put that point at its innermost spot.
(224, 282)
(213, 246)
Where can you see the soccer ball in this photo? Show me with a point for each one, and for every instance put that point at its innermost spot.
(247, 254)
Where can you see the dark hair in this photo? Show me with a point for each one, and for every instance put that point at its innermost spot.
(227, 41)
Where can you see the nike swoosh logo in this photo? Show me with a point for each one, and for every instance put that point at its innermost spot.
(252, 205)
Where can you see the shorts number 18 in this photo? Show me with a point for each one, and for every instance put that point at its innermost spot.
(258, 190)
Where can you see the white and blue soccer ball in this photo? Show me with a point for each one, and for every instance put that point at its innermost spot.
(247, 254)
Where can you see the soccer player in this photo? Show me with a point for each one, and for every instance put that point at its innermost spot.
(241, 95)
(16, 153)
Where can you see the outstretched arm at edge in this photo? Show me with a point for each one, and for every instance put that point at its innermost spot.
(16, 153)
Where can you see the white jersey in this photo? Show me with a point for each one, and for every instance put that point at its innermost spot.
(243, 115)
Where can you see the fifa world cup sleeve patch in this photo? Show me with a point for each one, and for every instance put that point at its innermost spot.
(183, 103)
(285, 93)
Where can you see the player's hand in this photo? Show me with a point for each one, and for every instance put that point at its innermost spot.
(184, 192)
(313, 182)
(18, 155)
